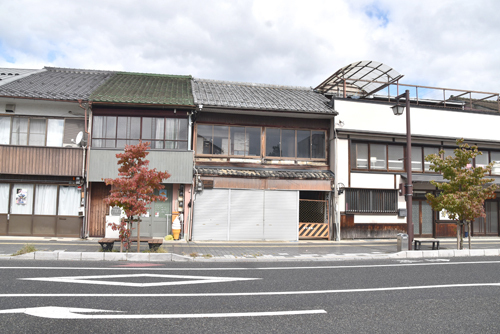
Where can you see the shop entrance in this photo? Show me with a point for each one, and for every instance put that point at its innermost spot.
(422, 217)
(313, 215)
(489, 224)
(157, 223)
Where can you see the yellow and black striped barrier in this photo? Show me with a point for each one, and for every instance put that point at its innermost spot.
(313, 230)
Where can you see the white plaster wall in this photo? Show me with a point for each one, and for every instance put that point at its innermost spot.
(372, 117)
(378, 219)
(372, 181)
(25, 107)
(343, 163)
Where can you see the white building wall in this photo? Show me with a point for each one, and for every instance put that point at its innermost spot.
(378, 118)
(25, 107)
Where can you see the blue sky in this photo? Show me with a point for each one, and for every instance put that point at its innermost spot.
(436, 43)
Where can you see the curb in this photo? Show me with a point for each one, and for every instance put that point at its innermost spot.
(172, 257)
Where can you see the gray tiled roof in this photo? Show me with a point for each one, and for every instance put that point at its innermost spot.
(267, 173)
(258, 96)
(57, 83)
(11, 74)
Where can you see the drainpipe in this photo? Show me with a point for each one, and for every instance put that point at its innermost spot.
(85, 164)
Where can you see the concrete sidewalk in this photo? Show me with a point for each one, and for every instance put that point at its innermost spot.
(304, 250)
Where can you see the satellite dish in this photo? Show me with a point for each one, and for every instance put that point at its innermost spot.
(79, 138)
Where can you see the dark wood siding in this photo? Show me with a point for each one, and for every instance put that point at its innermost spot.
(250, 120)
(349, 230)
(98, 210)
(60, 161)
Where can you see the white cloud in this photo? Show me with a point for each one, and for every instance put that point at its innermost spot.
(439, 43)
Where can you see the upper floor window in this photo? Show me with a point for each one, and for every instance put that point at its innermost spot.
(118, 131)
(290, 143)
(380, 157)
(246, 141)
(37, 131)
(228, 140)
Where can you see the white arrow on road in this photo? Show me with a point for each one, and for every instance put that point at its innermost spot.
(56, 312)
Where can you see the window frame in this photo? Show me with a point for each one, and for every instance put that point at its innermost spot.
(295, 157)
(29, 130)
(230, 147)
(353, 157)
(380, 201)
(115, 139)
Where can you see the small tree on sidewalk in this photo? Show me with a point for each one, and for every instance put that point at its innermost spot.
(134, 189)
(462, 196)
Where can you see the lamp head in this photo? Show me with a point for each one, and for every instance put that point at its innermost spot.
(398, 109)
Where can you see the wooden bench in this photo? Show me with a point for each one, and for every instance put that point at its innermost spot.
(108, 243)
(418, 243)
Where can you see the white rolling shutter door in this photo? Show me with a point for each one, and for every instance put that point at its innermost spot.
(247, 213)
(211, 213)
(281, 215)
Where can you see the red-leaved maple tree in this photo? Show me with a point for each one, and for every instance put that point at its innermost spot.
(134, 189)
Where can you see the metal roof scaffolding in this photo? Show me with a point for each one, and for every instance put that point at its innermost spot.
(362, 79)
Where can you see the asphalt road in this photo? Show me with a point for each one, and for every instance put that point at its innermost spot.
(458, 295)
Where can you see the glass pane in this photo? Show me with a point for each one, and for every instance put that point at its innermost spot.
(426, 218)
(416, 159)
(45, 200)
(69, 201)
(55, 132)
(148, 128)
(495, 158)
(396, 157)
(181, 145)
(253, 136)
(449, 152)
(4, 130)
(482, 160)
(361, 155)
(318, 145)
(109, 127)
(4, 197)
(415, 217)
(129, 128)
(492, 217)
(288, 143)
(221, 140)
(239, 143)
(303, 144)
(22, 199)
(378, 156)
(182, 129)
(19, 134)
(37, 132)
(170, 129)
(428, 151)
(273, 142)
(204, 139)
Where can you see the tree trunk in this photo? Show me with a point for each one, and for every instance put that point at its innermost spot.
(458, 235)
(139, 235)
(469, 225)
(461, 234)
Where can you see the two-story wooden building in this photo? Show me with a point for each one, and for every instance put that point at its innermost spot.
(262, 162)
(42, 168)
(133, 107)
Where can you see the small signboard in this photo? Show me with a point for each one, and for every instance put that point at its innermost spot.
(116, 211)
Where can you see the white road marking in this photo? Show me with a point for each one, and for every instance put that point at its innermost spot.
(237, 294)
(440, 263)
(55, 312)
(98, 279)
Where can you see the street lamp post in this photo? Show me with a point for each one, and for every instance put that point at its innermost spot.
(398, 110)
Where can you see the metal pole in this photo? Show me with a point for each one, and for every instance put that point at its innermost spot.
(409, 184)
